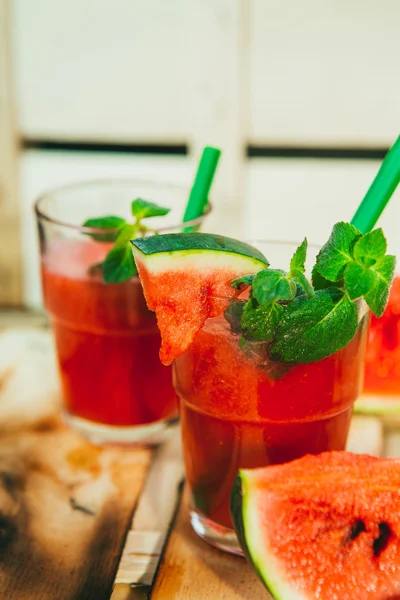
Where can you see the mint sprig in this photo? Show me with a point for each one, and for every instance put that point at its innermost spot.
(271, 285)
(304, 321)
(298, 268)
(260, 322)
(119, 264)
(337, 252)
(377, 297)
(142, 209)
(298, 262)
(361, 262)
(271, 290)
(110, 222)
(315, 329)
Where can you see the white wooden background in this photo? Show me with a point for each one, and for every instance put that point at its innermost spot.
(226, 72)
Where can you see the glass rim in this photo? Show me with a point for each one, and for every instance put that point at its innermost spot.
(41, 214)
(281, 242)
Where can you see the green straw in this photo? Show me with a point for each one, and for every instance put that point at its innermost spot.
(382, 188)
(198, 197)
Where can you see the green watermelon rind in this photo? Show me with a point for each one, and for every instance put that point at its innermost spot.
(249, 531)
(168, 262)
(193, 243)
(199, 260)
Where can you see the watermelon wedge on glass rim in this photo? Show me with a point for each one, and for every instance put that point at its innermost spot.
(183, 275)
(325, 526)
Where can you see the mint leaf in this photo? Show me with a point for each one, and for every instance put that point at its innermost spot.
(233, 314)
(126, 233)
(109, 222)
(320, 283)
(242, 281)
(119, 265)
(301, 279)
(260, 322)
(310, 331)
(142, 209)
(337, 252)
(272, 284)
(370, 248)
(359, 279)
(300, 293)
(378, 296)
(298, 262)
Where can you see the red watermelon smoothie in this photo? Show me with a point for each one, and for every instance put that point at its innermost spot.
(114, 387)
(382, 368)
(107, 341)
(240, 410)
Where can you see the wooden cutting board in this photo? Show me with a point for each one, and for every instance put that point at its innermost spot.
(65, 505)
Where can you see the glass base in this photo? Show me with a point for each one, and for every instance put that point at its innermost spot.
(98, 433)
(216, 535)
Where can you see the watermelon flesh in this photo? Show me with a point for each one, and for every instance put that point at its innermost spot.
(181, 314)
(186, 287)
(324, 526)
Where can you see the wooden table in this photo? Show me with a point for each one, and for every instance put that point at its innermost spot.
(79, 522)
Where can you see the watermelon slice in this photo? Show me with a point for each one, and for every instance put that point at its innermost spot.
(323, 526)
(183, 275)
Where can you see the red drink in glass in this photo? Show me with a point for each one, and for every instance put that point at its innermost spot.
(382, 368)
(115, 389)
(107, 341)
(239, 409)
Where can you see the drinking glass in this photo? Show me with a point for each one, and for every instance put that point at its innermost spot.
(239, 409)
(115, 389)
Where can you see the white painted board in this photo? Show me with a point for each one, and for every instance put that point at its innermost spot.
(324, 73)
(292, 198)
(136, 70)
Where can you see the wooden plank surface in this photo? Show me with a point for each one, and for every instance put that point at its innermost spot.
(10, 246)
(65, 505)
(192, 570)
(324, 97)
(153, 516)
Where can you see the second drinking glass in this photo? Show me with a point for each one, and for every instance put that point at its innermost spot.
(114, 387)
